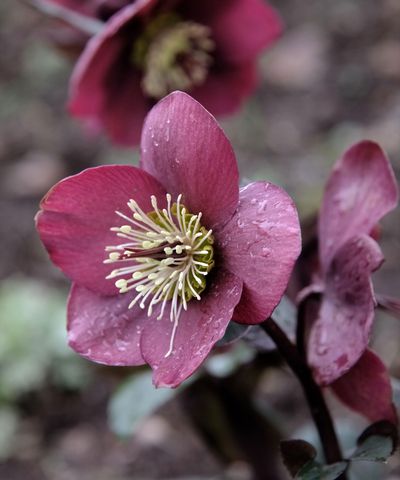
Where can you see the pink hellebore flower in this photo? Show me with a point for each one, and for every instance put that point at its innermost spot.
(186, 250)
(360, 191)
(152, 47)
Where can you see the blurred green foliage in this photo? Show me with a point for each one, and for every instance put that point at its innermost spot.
(33, 346)
(134, 400)
(9, 425)
(33, 349)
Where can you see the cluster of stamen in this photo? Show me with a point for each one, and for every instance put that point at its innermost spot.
(173, 54)
(167, 253)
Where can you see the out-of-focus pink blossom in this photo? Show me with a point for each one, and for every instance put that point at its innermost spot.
(152, 47)
(360, 191)
(366, 389)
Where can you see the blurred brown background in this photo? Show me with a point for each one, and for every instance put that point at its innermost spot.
(332, 79)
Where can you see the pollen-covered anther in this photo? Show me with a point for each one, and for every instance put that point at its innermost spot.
(168, 254)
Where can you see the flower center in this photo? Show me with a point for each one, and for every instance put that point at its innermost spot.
(167, 253)
(173, 54)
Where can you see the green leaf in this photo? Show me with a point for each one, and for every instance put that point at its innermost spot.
(374, 449)
(368, 471)
(233, 333)
(315, 471)
(9, 423)
(396, 391)
(285, 316)
(135, 399)
(296, 454)
(376, 443)
(225, 363)
(33, 343)
(258, 339)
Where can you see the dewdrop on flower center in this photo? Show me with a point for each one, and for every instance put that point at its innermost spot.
(168, 254)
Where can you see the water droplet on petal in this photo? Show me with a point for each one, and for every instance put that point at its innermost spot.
(265, 251)
(240, 223)
(264, 226)
(322, 349)
(262, 206)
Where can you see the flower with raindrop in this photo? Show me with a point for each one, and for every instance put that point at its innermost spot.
(164, 256)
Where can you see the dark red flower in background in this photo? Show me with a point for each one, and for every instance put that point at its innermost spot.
(150, 48)
(360, 191)
(187, 252)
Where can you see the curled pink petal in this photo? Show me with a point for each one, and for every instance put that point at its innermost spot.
(199, 328)
(185, 149)
(260, 245)
(366, 389)
(360, 191)
(76, 216)
(340, 334)
(103, 329)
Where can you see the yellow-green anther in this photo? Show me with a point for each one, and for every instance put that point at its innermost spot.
(173, 55)
(171, 268)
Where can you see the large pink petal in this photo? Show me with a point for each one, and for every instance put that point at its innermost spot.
(260, 245)
(241, 29)
(125, 109)
(226, 88)
(77, 214)
(103, 329)
(200, 327)
(185, 149)
(340, 334)
(366, 389)
(105, 87)
(88, 87)
(360, 191)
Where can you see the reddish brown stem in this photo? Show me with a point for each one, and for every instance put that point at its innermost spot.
(312, 391)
